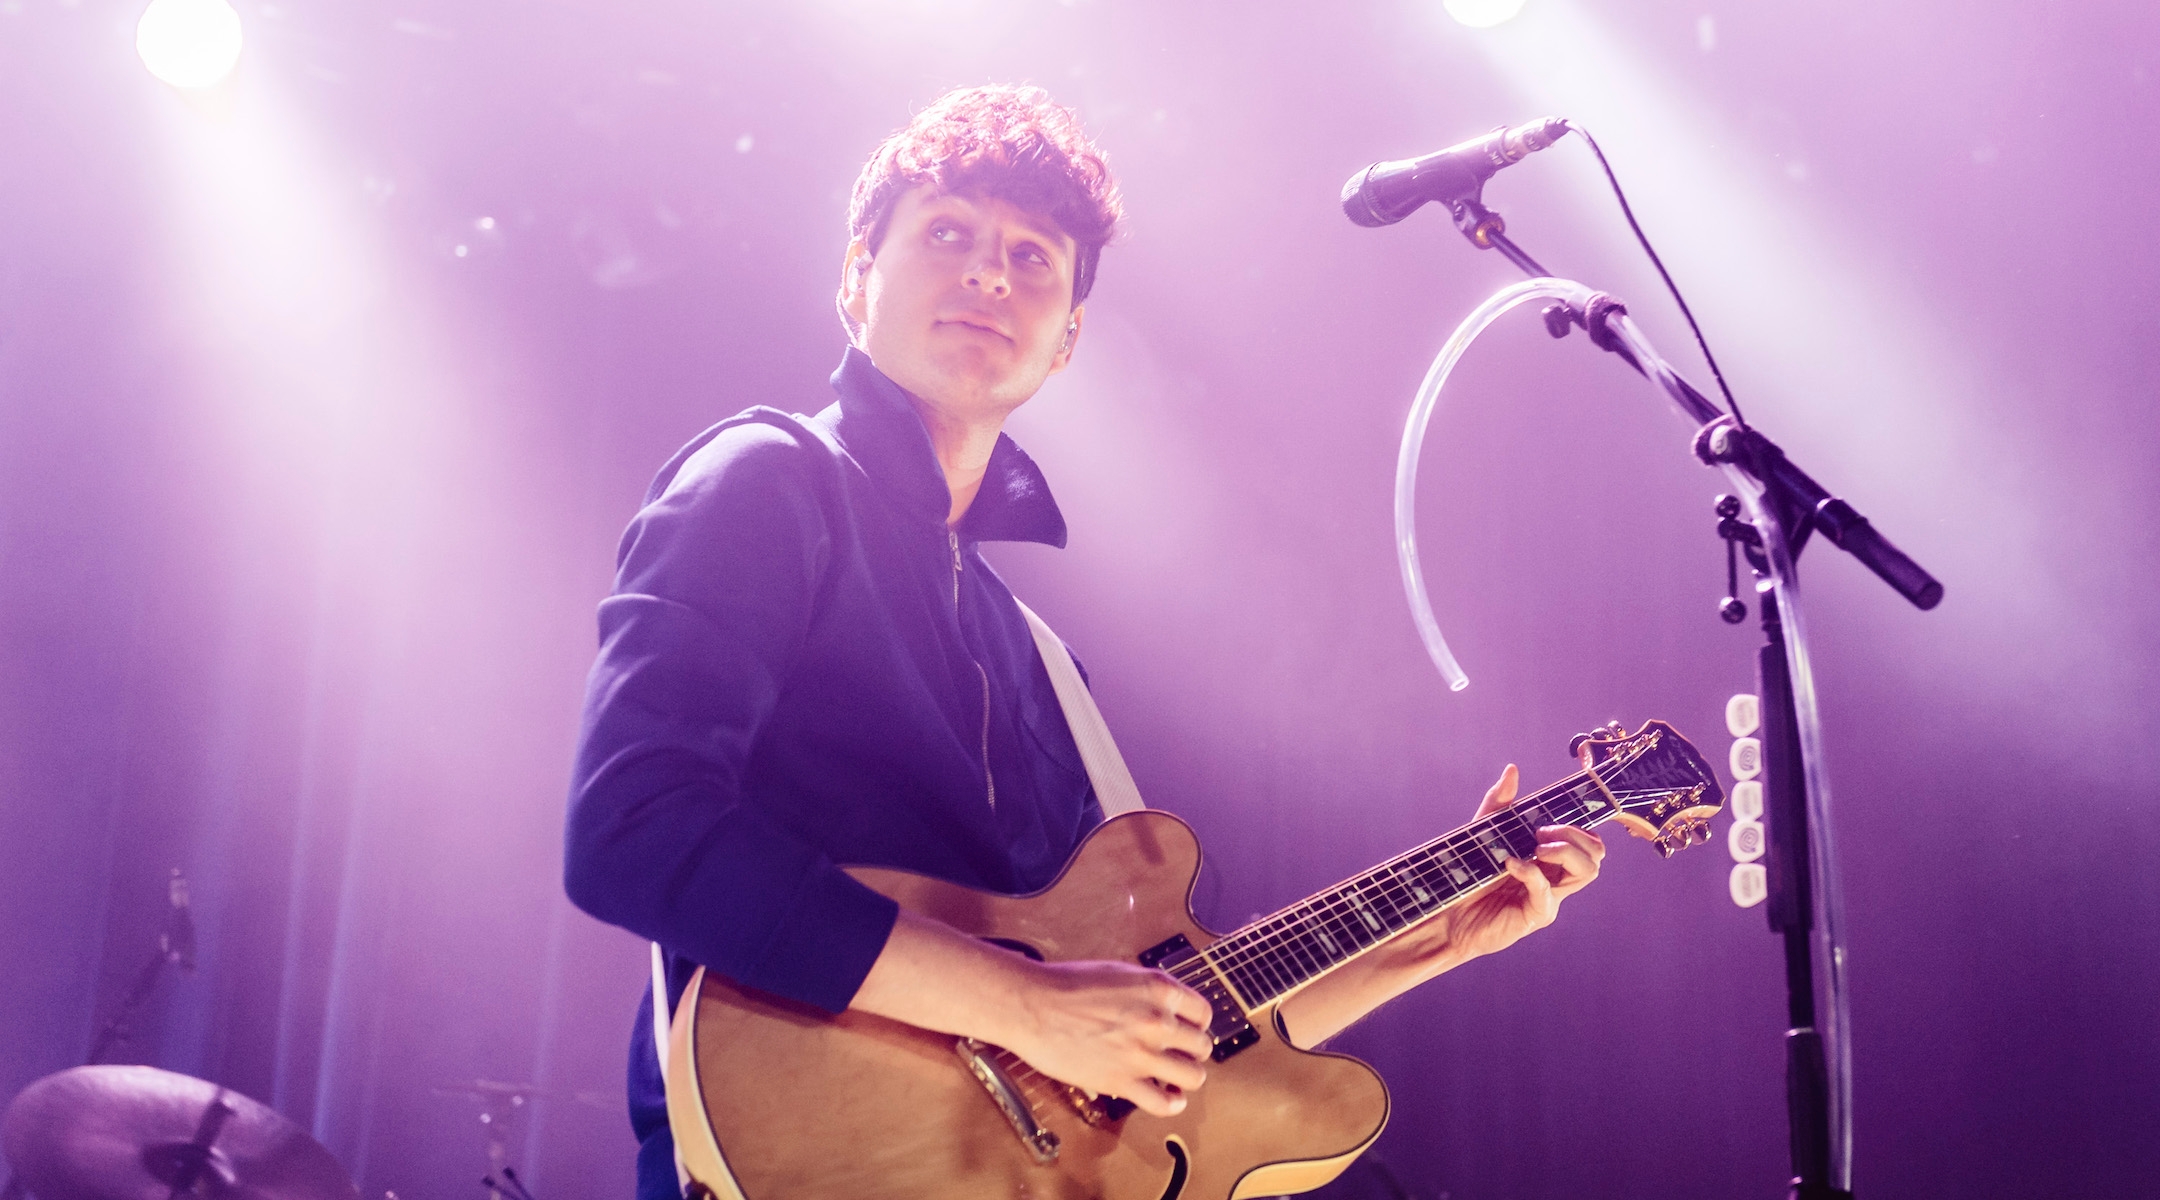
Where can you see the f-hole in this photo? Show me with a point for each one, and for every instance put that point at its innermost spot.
(1179, 1168)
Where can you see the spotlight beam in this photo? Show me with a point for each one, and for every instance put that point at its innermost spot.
(190, 44)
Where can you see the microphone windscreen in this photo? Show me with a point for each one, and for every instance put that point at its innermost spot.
(1356, 205)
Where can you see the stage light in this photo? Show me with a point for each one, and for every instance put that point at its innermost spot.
(189, 43)
(1483, 14)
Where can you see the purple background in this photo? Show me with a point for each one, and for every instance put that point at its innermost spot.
(303, 515)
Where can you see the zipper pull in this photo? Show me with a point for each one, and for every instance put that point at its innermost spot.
(952, 539)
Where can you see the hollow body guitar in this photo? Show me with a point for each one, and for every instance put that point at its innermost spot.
(773, 1100)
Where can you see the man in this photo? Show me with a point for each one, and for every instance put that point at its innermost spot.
(806, 662)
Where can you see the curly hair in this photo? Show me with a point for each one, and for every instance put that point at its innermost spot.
(1011, 143)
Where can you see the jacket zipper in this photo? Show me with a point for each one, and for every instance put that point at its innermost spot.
(952, 540)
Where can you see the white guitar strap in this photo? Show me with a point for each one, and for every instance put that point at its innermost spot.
(663, 1020)
(1114, 786)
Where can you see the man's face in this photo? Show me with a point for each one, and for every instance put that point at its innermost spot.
(966, 302)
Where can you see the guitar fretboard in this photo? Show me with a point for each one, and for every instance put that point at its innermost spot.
(1275, 954)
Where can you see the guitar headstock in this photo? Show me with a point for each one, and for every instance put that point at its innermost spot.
(1663, 790)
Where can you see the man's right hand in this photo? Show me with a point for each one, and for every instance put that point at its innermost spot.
(1109, 1028)
(1113, 1029)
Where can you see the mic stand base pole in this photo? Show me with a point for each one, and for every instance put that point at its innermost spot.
(1791, 911)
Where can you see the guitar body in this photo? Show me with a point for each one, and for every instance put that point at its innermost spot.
(772, 1100)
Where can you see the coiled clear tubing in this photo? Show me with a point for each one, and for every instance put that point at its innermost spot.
(1829, 906)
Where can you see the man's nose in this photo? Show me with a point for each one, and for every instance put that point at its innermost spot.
(989, 270)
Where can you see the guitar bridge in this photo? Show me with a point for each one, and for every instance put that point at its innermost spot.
(979, 1059)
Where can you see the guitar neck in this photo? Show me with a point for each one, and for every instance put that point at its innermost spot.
(1280, 953)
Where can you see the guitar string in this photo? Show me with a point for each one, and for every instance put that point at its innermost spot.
(1332, 908)
(1258, 949)
(1033, 1083)
(1278, 953)
(1310, 938)
(1333, 903)
(1385, 881)
(1038, 1089)
(1281, 952)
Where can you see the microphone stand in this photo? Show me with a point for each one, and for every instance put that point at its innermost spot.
(1790, 508)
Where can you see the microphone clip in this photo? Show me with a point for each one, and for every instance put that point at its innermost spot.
(1481, 225)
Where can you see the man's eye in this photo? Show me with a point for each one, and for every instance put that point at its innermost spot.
(1033, 255)
(944, 233)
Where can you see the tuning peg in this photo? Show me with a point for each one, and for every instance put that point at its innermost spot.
(1745, 841)
(1615, 729)
(1743, 714)
(1750, 884)
(1746, 758)
(1747, 800)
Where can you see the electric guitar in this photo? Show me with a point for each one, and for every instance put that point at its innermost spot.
(773, 1100)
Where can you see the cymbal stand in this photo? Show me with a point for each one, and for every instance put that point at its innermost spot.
(175, 947)
(510, 1185)
(170, 951)
(115, 1030)
(500, 1106)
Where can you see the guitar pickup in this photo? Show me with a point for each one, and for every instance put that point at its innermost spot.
(1228, 1029)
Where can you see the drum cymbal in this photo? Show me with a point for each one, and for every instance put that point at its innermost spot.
(135, 1133)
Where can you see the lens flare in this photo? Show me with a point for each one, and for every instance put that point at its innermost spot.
(1483, 14)
(189, 43)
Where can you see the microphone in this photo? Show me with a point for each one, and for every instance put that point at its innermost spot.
(1385, 193)
(178, 940)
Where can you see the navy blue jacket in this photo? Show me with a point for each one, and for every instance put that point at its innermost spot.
(801, 667)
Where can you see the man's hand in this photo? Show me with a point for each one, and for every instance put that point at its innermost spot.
(1113, 1029)
(1528, 897)
(1525, 899)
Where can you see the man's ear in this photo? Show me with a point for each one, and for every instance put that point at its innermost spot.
(853, 299)
(1072, 339)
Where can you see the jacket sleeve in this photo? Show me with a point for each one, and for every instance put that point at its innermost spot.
(716, 581)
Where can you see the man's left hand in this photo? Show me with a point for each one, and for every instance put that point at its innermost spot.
(1528, 897)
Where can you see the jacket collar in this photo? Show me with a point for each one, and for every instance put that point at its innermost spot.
(878, 427)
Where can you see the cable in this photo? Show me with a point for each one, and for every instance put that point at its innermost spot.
(1627, 211)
